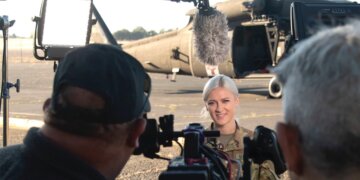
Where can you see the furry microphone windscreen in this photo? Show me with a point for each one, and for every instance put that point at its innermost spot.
(212, 43)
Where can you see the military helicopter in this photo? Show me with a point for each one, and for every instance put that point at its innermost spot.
(261, 32)
(251, 51)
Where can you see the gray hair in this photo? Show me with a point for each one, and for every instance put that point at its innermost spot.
(322, 97)
(219, 80)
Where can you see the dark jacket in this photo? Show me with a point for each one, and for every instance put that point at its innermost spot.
(39, 158)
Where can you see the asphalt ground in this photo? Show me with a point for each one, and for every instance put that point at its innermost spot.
(181, 98)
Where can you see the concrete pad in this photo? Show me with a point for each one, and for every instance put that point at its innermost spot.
(23, 124)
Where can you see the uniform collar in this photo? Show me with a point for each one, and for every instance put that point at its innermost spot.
(238, 135)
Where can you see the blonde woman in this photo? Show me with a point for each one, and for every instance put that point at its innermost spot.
(221, 100)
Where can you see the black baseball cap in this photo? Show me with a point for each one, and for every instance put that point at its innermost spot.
(112, 74)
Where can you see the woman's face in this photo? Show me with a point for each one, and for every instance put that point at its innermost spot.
(221, 105)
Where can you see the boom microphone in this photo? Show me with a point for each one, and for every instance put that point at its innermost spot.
(210, 29)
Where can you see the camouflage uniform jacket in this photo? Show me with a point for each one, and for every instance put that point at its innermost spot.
(235, 149)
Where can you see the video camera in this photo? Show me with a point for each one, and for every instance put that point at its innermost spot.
(264, 146)
(199, 161)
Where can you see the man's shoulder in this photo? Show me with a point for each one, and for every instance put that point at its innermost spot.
(13, 150)
(11, 160)
(11, 154)
(31, 161)
(14, 159)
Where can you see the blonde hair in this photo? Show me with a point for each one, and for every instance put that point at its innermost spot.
(219, 80)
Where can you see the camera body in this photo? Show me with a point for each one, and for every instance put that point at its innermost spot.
(198, 161)
(194, 162)
(264, 146)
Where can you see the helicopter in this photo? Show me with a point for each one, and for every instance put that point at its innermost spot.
(174, 52)
(262, 33)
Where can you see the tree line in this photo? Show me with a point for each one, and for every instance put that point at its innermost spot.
(124, 34)
(137, 33)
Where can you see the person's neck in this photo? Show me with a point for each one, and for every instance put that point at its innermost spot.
(226, 129)
(95, 152)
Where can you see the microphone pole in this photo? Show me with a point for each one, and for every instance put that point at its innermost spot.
(5, 24)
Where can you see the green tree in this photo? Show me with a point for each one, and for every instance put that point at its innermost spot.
(164, 31)
(123, 34)
(152, 33)
(138, 33)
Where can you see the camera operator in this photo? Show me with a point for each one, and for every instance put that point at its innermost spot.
(221, 99)
(320, 137)
(92, 122)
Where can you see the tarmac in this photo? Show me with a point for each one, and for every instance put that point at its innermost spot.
(182, 98)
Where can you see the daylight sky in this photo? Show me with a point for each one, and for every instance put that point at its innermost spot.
(118, 14)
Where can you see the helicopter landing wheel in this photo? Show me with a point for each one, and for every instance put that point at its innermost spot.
(275, 88)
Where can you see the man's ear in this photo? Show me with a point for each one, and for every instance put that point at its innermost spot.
(135, 132)
(46, 104)
(289, 140)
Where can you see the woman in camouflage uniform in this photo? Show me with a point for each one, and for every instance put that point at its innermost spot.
(221, 99)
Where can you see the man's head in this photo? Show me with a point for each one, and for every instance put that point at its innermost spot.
(321, 101)
(97, 88)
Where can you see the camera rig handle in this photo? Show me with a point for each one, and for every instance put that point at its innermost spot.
(163, 135)
(264, 146)
(194, 135)
(198, 161)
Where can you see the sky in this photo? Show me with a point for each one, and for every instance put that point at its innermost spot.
(118, 14)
